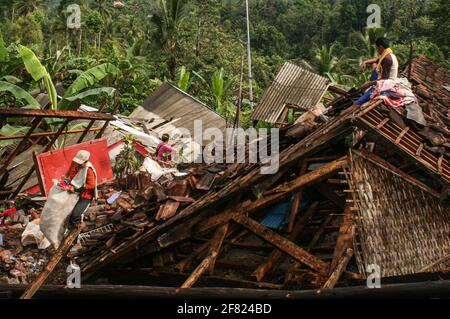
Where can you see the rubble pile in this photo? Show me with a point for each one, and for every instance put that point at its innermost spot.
(19, 262)
(357, 186)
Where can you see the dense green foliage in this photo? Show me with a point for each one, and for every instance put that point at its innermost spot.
(198, 45)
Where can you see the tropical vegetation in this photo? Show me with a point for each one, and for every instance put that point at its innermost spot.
(125, 50)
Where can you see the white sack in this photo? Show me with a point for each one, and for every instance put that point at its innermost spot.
(33, 235)
(57, 210)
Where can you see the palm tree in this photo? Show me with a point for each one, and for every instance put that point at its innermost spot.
(368, 38)
(104, 8)
(168, 22)
(325, 60)
(23, 7)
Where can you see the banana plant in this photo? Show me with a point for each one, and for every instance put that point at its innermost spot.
(10, 130)
(325, 59)
(38, 72)
(94, 92)
(19, 94)
(184, 79)
(88, 79)
(220, 87)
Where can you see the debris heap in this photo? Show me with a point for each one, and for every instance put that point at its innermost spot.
(357, 186)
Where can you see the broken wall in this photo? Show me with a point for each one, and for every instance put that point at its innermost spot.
(402, 227)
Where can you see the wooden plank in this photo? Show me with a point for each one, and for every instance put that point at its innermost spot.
(345, 238)
(343, 262)
(298, 197)
(264, 268)
(276, 195)
(420, 149)
(294, 211)
(176, 234)
(399, 138)
(216, 244)
(434, 289)
(196, 274)
(369, 108)
(439, 163)
(54, 261)
(383, 123)
(337, 90)
(282, 243)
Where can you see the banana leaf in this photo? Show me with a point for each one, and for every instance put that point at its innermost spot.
(11, 79)
(108, 90)
(184, 80)
(89, 78)
(38, 72)
(19, 94)
(9, 130)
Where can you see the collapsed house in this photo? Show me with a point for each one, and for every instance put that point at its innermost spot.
(357, 186)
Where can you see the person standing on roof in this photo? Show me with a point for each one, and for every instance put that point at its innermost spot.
(164, 150)
(83, 180)
(386, 65)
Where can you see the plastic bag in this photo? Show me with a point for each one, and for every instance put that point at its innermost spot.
(56, 212)
(33, 235)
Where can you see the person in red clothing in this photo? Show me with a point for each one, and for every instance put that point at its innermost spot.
(83, 181)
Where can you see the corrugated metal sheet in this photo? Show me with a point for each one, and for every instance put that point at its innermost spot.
(292, 85)
(178, 107)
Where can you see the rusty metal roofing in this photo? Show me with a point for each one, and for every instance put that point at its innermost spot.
(175, 105)
(293, 85)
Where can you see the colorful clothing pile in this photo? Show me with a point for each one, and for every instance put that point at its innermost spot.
(397, 93)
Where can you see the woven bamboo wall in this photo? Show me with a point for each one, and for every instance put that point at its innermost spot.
(402, 228)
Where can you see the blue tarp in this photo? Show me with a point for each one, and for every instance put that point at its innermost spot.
(278, 215)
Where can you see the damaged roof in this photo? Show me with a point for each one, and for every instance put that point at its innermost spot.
(431, 87)
(293, 86)
(170, 104)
